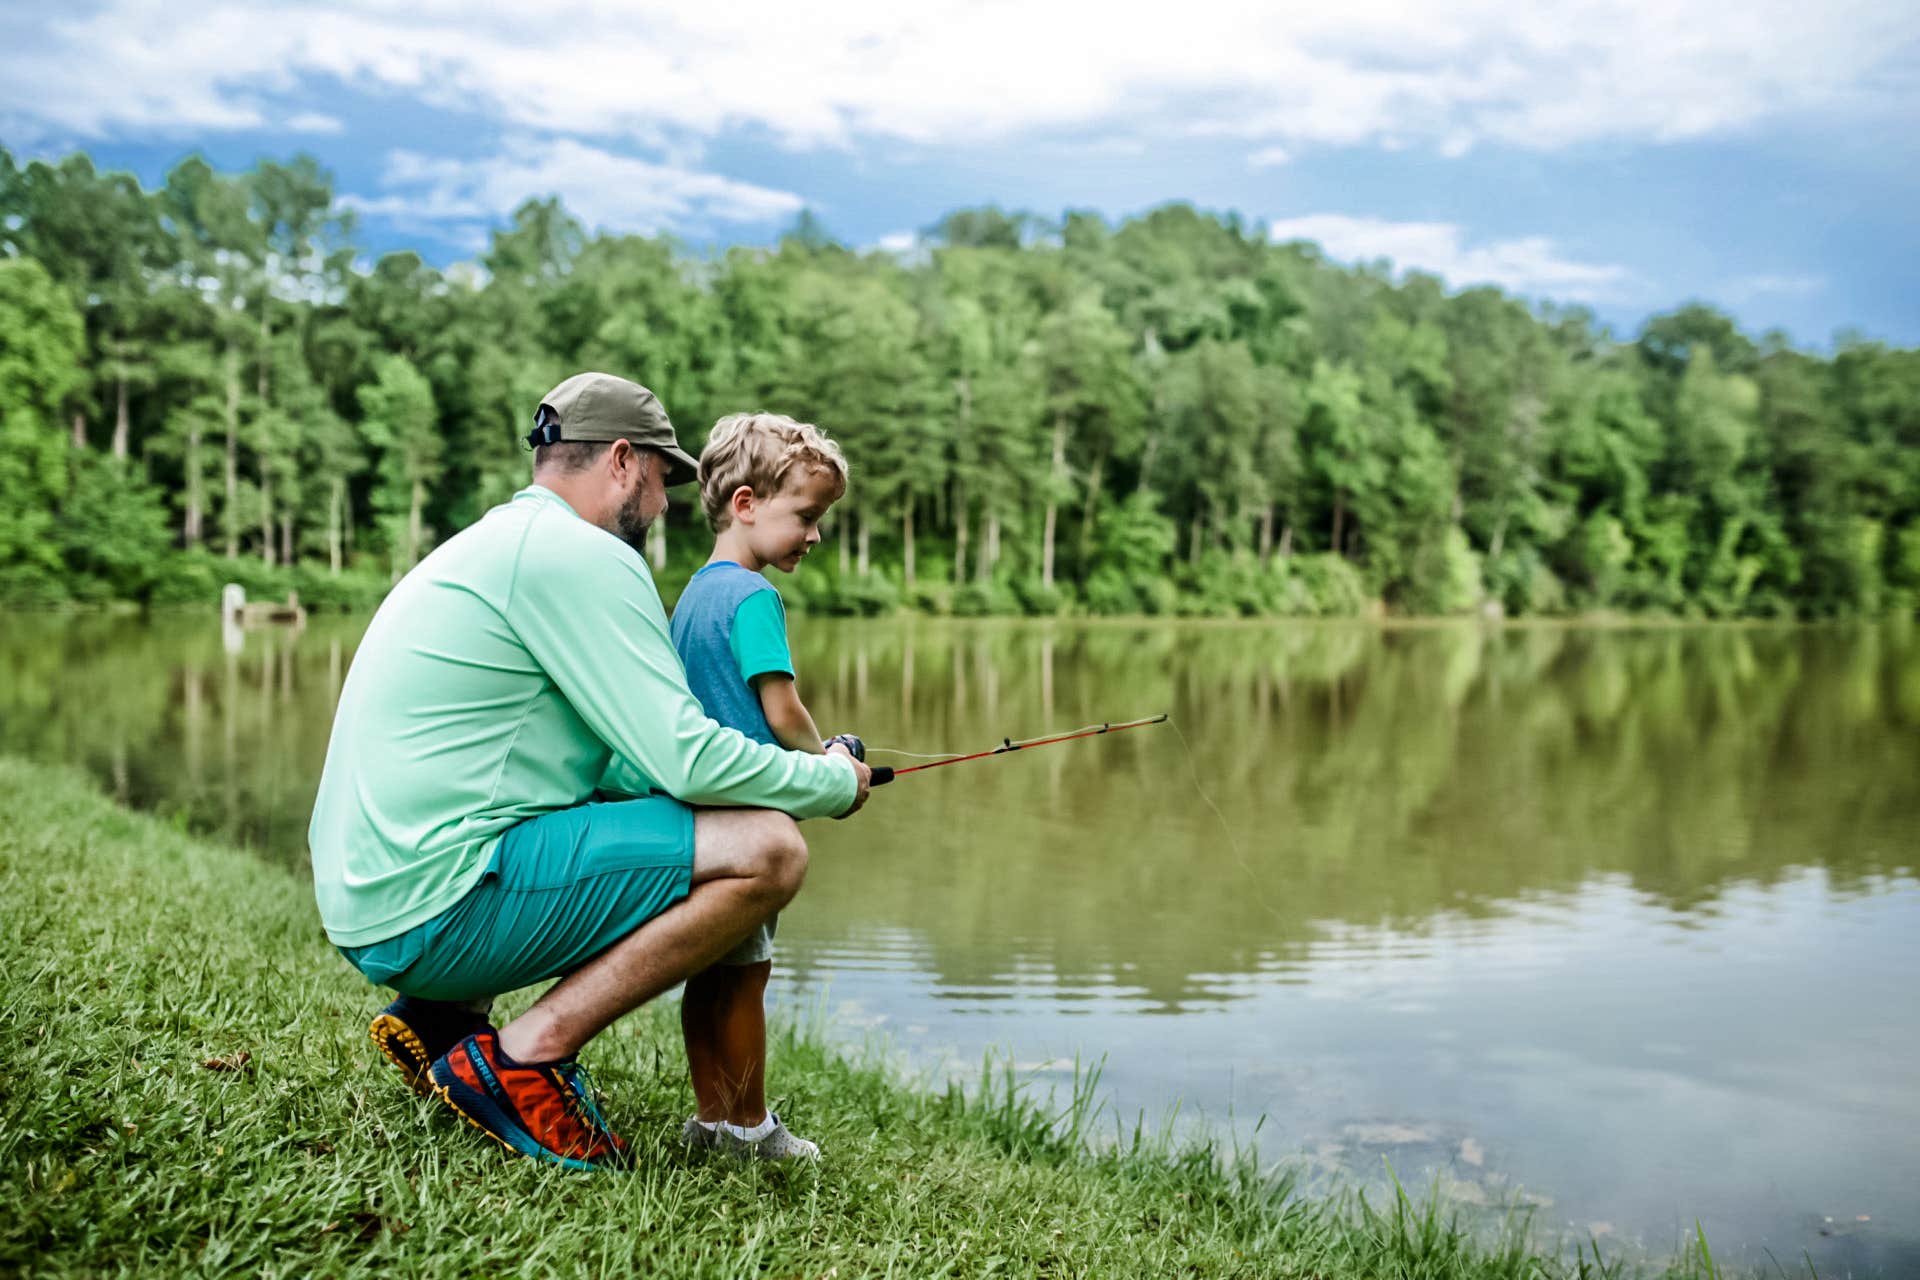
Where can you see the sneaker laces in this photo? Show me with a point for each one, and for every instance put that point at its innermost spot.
(585, 1095)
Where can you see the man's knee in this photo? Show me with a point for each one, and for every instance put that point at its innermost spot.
(757, 845)
(780, 861)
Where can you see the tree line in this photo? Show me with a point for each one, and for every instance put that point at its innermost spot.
(205, 382)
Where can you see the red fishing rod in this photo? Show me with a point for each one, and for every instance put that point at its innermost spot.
(883, 774)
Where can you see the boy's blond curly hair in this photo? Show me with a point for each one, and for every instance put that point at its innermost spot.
(760, 450)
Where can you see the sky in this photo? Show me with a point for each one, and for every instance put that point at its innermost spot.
(1625, 155)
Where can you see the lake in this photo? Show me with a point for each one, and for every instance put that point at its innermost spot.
(1621, 923)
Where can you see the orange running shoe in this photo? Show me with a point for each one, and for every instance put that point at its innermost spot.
(544, 1110)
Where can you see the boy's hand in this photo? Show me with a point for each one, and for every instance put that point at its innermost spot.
(861, 773)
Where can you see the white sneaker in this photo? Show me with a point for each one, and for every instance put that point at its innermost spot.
(696, 1137)
(776, 1144)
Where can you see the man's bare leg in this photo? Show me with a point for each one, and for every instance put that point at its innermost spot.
(724, 1018)
(747, 864)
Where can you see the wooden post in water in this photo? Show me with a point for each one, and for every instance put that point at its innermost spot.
(990, 677)
(1046, 681)
(192, 713)
(906, 684)
(959, 681)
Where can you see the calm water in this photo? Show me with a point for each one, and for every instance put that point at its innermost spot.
(1623, 923)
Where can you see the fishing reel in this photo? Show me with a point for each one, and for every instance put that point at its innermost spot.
(851, 743)
(881, 774)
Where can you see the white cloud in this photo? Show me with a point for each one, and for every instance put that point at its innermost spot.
(315, 122)
(904, 247)
(1528, 265)
(1747, 288)
(1268, 157)
(1452, 74)
(620, 193)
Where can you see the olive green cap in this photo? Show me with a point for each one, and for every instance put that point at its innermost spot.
(595, 407)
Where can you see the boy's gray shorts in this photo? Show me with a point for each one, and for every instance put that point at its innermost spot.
(755, 947)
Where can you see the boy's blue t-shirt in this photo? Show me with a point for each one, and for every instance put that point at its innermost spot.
(729, 627)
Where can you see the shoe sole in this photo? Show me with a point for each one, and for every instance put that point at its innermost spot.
(754, 1153)
(399, 1045)
(747, 1155)
(486, 1115)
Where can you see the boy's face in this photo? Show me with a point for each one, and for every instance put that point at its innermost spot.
(784, 527)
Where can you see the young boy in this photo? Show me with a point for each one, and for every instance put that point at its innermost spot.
(765, 482)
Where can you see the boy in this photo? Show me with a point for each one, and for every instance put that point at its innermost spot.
(765, 482)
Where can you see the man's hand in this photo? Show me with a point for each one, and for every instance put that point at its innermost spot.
(861, 773)
(850, 742)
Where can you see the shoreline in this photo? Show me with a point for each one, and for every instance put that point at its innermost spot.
(188, 1087)
(1381, 620)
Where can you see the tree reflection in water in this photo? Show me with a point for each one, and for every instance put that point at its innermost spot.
(1366, 775)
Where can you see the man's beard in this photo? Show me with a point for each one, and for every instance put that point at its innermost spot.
(629, 523)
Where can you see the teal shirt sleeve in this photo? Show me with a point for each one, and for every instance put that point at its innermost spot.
(760, 636)
(586, 608)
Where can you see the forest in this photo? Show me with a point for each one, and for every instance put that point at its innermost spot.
(210, 381)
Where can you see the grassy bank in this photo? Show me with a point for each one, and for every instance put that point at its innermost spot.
(185, 1087)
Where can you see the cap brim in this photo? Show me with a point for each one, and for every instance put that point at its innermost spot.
(681, 467)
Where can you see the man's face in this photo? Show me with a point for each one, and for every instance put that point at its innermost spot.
(645, 499)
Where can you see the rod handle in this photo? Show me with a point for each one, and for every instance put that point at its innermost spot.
(882, 775)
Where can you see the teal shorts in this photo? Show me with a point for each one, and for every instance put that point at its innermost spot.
(559, 889)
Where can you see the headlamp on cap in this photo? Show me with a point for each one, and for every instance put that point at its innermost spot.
(546, 428)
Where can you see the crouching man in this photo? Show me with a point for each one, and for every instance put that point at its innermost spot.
(458, 852)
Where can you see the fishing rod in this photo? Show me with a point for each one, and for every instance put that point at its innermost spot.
(883, 774)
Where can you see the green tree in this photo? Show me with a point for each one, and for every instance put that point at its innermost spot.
(981, 318)
(291, 208)
(1094, 408)
(987, 227)
(221, 248)
(101, 237)
(40, 345)
(113, 529)
(185, 441)
(401, 422)
(1712, 462)
(1024, 406)
(1218, 407)
(1341, 454)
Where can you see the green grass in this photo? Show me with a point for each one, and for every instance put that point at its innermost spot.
(135, 956)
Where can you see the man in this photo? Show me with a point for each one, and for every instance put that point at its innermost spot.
(457, 849)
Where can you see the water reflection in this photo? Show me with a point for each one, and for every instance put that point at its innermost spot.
(1377, 777)
(173, 715)
(1626, 916)
(1368, 776)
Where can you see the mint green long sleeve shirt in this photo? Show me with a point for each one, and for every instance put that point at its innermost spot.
(496, 683)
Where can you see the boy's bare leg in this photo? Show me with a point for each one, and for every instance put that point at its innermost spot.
(703, 1055)
(747, 864)
(724, 1017)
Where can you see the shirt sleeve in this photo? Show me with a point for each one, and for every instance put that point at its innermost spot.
(760, 636)
(585, 606)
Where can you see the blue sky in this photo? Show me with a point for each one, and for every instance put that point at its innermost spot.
(1625, 154)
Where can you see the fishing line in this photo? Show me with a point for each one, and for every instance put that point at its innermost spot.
(1233, 842)
(1193, 768)
(916, 755)
(885, 774)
